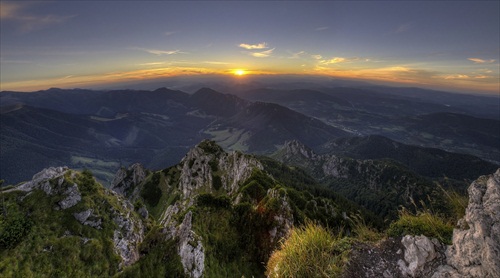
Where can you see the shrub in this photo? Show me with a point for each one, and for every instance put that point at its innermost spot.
(13, 229)
(310, 251)
(209, 200)
(217, 182)
(422, 223)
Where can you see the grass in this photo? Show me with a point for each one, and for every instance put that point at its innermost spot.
(309, 251)
(422, 223)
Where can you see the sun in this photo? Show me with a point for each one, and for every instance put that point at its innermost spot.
(239, 72)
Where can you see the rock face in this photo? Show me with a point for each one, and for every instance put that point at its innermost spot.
(419, 255)
(52, 181)
(190, 248)
(126, 181)
(476, 249)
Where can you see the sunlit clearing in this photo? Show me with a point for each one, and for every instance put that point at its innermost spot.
(239, 72)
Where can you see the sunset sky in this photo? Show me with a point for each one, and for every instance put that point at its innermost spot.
(444, 45)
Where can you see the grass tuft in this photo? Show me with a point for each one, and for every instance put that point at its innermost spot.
(309, 251)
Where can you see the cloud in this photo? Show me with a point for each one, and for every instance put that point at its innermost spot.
(152, 64)
(317, 57)
(337, 60)
(297, 55)
(161, 52)
(216, 63)
(262, 54)
(29, 22)
(322, 28)
(481, 61)
(261, 45)
(169, 33)
(403, 28)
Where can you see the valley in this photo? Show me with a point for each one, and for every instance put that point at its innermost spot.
(156, 128)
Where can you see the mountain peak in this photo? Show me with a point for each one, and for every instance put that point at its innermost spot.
(206, 90)
(295, 147)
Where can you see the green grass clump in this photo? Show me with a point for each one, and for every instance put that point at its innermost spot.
(309, 251)
(422, 223)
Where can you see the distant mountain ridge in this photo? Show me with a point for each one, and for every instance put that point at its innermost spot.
(105, 129)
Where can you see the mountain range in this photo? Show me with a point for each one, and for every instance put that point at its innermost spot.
(102, 130)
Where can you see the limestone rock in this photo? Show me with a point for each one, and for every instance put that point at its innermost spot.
(42, 179)
(126, 180)
(129, 233)
(283, 219)
(73, 196)
(190, 249)
(476, 251)
(87, 217)
(419, 250)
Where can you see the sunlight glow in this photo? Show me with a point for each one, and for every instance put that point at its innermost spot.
(239, 72)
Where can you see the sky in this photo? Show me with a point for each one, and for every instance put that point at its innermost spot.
(448, 45)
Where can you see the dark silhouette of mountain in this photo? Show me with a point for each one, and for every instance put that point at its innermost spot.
(430, 162)
(291, 96)
(104, 129)
(217, 104)
(270, 125)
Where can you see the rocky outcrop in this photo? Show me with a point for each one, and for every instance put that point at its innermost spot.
(475, 251)
(409, 257)
(53, 182)
(190, 249)
(283, 218)
(421, 256)
(129, 233)
(126, 181)
(87, 217)
(208, 166)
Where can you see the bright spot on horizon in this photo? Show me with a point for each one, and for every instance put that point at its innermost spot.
(239, 72)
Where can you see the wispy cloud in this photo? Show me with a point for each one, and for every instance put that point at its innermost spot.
(169, 33)
(261, 45)
(297, 55)
(27, 21)
(160, 52)
(403, 28)
(481, 61)
(337, 60)
(216, 63)
(322, 28)
(262, 54)
(151, 64)
(317, 56)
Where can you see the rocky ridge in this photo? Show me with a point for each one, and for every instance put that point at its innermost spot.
(63, 182)
(205, 169)
(356, 179)
(474, 253)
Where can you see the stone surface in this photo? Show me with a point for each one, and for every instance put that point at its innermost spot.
(126, 181)
(475, 251)
(191, 248)
(87, 218)
(283, 218)
(419, 250)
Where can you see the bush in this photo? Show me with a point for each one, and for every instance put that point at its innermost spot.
(209, 200)
(421, 223)
(13, 229)
(310, 251)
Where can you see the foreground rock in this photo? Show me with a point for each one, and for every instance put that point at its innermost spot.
(476, 244)
(475, 251)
